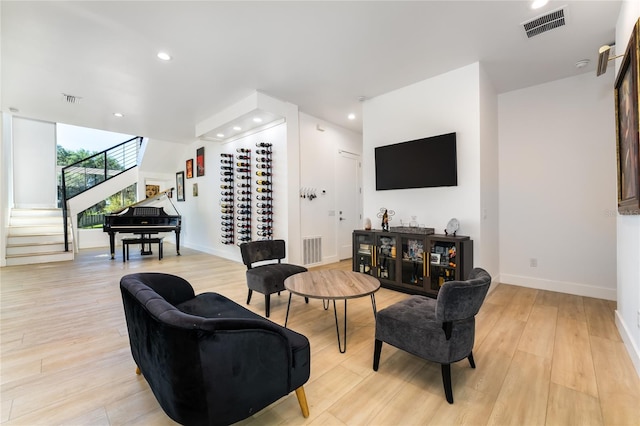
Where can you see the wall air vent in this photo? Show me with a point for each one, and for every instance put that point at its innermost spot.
(71, 99)
(544, 23)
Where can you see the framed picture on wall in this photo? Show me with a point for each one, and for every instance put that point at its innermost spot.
(190, 168)
(200, 162)
(152, 190)
(627, 91)
(180, 186)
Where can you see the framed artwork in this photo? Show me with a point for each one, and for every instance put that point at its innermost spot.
(200, 162)
(195, 189)
(180, 186)
(190, 168)
(435, 258)
(151, 190)
(627, 91)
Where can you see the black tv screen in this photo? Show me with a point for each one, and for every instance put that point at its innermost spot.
(422, 163)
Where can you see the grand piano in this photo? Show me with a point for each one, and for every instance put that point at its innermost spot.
(140, 218)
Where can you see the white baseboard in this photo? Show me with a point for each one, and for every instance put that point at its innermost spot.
(560, 286)
(632, 349)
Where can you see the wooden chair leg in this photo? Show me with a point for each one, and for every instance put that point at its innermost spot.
(302, 400)
(267, 300)
(471, 361)
(446, 381)
(138, 372)
(249, 296)
(376, 354)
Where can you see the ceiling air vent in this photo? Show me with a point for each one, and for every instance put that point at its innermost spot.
(544, 23)
(71, 98)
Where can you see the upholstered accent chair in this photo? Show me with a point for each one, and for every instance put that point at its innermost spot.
(265, 271)
(208, 360)
(441, 330)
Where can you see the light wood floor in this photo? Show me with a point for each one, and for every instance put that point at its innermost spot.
(542, 358)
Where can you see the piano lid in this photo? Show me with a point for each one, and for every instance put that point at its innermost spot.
(158, 200)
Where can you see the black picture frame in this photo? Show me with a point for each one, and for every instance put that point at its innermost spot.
(200, 161)
(180, 186)
(627, 91)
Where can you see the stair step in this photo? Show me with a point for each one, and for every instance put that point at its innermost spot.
(36, 248)
(54, 238)
(36, 212)
(36, 220)
(25, 259)
(36, 230)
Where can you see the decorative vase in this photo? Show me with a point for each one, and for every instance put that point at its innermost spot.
(367, 224)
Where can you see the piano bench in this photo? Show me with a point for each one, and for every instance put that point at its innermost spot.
(127, 241)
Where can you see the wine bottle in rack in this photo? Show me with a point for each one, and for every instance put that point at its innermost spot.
(263, 144)
(263, 182)
(263, 173)
(243, 150)
(261, 189)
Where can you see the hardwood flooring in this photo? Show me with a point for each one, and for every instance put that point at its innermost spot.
(543, 358)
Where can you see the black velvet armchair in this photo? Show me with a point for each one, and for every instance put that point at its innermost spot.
(265, 271)
(208, 360)
(440, 330)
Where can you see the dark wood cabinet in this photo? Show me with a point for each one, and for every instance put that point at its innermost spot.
(415, 263)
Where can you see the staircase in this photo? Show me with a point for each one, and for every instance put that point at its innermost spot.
(36, 236)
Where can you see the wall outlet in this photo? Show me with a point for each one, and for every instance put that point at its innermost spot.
(533, 262)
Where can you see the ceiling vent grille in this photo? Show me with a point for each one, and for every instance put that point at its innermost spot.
(71, 98)
(544, 23)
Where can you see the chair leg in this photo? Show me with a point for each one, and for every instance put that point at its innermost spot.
(138, 372)
(302, 400)
(446, 380)
(267, 300)
(471, 361)
(249, 296)
(306, 300)
(376, 354)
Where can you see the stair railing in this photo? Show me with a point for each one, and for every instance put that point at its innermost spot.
(94, 170)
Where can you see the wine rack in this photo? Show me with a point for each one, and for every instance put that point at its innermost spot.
(243, 195)
(264, 191)
(227, 234)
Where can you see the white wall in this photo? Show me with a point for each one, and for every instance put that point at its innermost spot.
(487, 254)
(34, 149)
(443, 104)
(201, 215)
(628, 228)
(558, 186)
(318, 155)
(6, 183)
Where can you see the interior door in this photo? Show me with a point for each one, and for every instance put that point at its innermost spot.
(348, 201)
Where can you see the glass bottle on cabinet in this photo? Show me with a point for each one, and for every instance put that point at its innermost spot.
(364, 252)
(386, 256)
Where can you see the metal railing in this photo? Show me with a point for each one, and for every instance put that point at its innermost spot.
(91, 171)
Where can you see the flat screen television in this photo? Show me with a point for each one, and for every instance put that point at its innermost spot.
(421, 163)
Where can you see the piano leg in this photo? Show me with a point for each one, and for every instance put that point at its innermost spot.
(178, 241)
(112, 244)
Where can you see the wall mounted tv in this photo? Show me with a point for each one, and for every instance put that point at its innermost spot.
(421, 163)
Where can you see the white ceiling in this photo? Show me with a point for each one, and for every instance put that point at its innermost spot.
(321, 56)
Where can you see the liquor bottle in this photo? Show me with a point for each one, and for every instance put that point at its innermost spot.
(265, 190)
(263, 182)
(263, 173)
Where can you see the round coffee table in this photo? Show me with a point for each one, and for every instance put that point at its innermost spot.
(332, 284)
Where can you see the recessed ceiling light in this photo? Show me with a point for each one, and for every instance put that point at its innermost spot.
(237, 128)
(220, 135)
(164, 56)
(351, 116)
(257, 120)
(118, 114)
(537, 4)
(582, 63)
